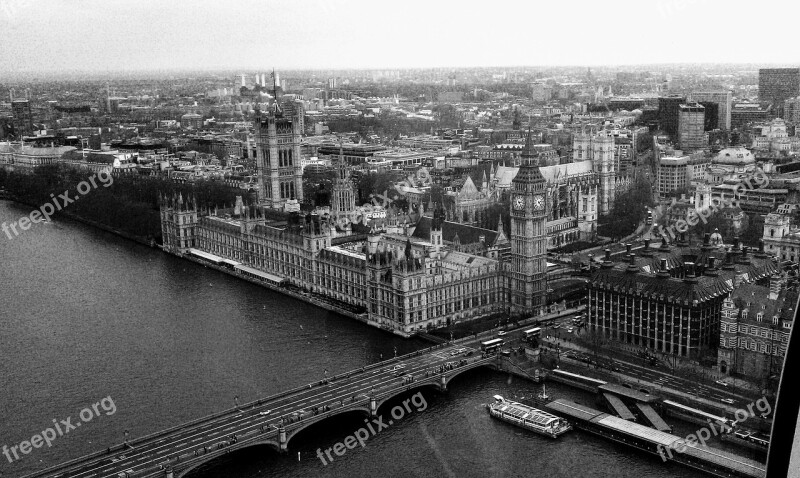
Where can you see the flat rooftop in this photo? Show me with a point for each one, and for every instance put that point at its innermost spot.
(627, 393)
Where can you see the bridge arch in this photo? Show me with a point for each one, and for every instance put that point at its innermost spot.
(292, 432)
(211, 456)
(460, 370)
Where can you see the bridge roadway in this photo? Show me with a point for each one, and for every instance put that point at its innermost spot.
(275, 420)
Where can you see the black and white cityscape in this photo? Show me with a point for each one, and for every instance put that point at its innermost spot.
(347, 239)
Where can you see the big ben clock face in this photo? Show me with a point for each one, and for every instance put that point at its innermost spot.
(538, 203)
(519, 203)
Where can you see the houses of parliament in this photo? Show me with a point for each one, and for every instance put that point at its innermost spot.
(403, 278)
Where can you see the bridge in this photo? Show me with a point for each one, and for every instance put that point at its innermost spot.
(275, 420)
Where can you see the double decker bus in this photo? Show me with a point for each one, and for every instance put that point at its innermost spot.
(491, 345)
(535, 332)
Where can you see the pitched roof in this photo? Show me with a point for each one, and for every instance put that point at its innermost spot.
(466, 234)
(704, 288)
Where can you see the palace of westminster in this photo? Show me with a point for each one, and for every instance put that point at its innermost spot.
(405, 277)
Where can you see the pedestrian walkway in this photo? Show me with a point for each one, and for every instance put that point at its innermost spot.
(653, 385)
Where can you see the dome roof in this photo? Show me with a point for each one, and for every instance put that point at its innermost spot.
(734, 156)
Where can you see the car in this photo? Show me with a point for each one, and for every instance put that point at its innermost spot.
(265, 413)
(729, 401)
(569, 330)
(501, 333)
(720, 382)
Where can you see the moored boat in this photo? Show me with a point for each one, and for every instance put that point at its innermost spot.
(527, 417)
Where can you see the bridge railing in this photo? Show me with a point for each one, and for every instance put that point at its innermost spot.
(213, 416)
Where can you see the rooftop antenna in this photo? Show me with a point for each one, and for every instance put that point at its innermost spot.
(275, 90)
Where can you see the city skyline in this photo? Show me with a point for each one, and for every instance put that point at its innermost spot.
(359, 35)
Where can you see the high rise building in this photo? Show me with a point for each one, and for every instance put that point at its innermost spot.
(22, 117)
(776, 85)
(791, 110)
(278, 158)
(691, 126)
(723, 100)
(528, 267)
(668, 107)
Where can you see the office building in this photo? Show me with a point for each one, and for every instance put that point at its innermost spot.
(691, 126)
(754, 330)
(22, 117)
(669, 299)
(668, 109)
(722, 100)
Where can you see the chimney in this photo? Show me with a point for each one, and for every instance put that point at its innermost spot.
(608, 255)
(743, 259)
(776, 284)
(662, 270)
(664, 244)
(646, 249)
(628, 248)
(632, 263)
(690, 278)
(711, 270)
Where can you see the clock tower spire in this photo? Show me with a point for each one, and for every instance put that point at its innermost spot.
(527, 272)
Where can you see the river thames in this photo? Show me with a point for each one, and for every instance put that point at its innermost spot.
(87, 315)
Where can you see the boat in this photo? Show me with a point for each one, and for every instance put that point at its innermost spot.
(529, 418)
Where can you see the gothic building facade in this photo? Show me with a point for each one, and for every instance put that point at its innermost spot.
(278, 137)
(403, 290)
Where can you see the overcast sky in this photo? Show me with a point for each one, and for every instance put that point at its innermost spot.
(108, 35)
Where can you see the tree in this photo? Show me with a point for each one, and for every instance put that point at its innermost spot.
(629, 209)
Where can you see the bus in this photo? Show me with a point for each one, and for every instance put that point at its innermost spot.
(535, 332)
(492, 345)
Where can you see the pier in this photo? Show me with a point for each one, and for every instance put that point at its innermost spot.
(665, 445)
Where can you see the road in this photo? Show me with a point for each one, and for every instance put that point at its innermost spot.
(165, 449)
(660, 377)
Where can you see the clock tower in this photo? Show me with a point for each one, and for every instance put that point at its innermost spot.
(527, 272)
